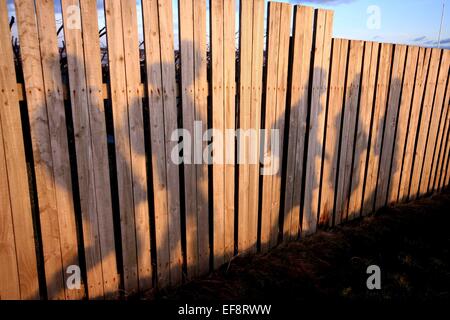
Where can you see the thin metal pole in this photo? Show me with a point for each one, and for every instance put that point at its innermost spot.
(440, 27)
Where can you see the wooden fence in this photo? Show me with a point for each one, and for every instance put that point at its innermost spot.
(86, 176)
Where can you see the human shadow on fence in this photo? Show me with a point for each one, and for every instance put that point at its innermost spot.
(166, 248)
(354, 180)
(166, 242)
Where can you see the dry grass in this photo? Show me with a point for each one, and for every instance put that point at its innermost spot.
(409, 242)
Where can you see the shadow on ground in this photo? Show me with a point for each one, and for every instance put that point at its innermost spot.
(409, 242)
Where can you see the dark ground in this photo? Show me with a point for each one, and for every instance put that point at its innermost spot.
(410, 243)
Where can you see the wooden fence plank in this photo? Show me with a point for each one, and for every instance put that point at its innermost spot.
(68, 253)
(189, 75)
(223, 95)
(322, 53)
(158, 36)
(314, 140)
(282, 78)
(14, 153)
(444, 151)
(101, 223)
(370, 67)
(441, 142)
(170, 120)
(255, 118)
(201, 114)
(379, 113)
(251, 59)
(9, 275)
(154, 89)
(245, 67)
(218, 124)
(279, 25)
(350, 112)
(402, 126)
(229, 66)
(395, 89)
(333, 128)
(273, 47)
(447, 179)
(42, 149)
(422, 136)
(83, 140)
(419, 87)
(299, 90)
(446, 174)
(138, 160)
(434, 122)
(120, 108)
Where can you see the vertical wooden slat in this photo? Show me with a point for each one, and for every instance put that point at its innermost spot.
(444, 154)
(80, 114)
(251, 59)
(193, 75)
(398, 66)
(61, 164)
(223, 114)
(434, 122)
(188, 75)
(419, 88)
(272, 49)
(154, 89)
(275, 120)
(255, 118)
(348, 130)
(441, 142)
(170, 121)
(299, 88)
(379, 113)
(332, 133)
(9, 276)
(245, 81)
(218, 124)
(158, 36)
(201, 114)
(445, 175)
(402, 126)
(42, 149)
(282, 78)
(138, 161)
(369, 74)
(229, 66)
(120, 108)
(101, 224)
(322, 53)
(14, 155)
(422, 134)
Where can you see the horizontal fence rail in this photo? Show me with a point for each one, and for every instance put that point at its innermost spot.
(306, 131)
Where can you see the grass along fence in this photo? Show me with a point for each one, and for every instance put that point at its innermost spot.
(86, 176)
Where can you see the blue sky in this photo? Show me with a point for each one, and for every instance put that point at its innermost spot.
(400, 21)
